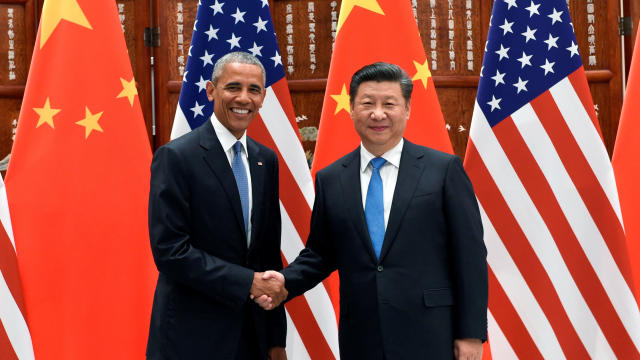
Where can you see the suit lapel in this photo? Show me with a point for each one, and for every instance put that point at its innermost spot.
(216, 159)
(257, 169)
(352, 192)
(409, 174)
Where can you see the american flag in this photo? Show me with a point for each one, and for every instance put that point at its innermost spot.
(560, 282)
(233, 25)
(15, 339)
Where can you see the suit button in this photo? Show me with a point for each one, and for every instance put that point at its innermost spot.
(380, 268)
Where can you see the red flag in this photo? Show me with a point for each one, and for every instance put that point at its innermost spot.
(77, 186)
(394, 39)
(392, 36)
(625, 164)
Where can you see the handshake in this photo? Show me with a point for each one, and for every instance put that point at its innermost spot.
(268, 290)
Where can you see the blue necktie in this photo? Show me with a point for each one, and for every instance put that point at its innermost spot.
(240, 174)
(374, 206)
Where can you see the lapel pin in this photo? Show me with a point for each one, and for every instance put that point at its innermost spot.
(259, 163)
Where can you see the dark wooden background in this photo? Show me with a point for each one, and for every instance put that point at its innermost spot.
(455, 87)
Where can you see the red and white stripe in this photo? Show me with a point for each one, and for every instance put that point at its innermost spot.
(15, 339)
(560, 282)
(312, 328)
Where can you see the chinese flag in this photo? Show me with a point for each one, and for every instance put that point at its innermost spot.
(77, 187)
(370, 31)
(626, 166)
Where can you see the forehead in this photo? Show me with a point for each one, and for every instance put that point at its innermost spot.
(243, 73)
(379, 89)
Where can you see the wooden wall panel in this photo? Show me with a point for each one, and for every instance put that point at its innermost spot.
(310, 49)
(17, 36)
(455, 32)
(134, 17)
(175, 20)
(306, 53)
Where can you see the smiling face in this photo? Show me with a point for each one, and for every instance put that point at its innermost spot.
(380, 113)
(237, 96)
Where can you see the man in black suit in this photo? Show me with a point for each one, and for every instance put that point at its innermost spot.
(214, 224)
(401, 225)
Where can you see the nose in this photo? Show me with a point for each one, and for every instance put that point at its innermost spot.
(243, 97)
(378, 113)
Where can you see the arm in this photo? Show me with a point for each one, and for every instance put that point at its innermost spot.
(317, 260)
(170, 231)
(468, 254)
(276, 319)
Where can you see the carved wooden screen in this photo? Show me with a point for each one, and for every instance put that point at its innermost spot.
(17, 36)
(452, 30)
(453, 33)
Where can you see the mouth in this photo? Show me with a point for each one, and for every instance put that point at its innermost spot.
(378, 128)
(240, 111)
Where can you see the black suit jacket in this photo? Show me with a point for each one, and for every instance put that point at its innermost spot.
(429, 286)
(200, 248)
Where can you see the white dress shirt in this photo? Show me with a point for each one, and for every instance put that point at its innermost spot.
(227, 140)
(388, 173)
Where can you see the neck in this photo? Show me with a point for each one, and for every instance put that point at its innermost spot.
(379, 150)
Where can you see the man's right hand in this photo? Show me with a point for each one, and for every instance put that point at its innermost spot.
(268, 289)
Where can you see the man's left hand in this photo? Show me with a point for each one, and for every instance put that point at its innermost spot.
(467, 349)
(277, 353)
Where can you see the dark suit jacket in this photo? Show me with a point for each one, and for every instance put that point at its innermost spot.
(200, 248)
(429, 286)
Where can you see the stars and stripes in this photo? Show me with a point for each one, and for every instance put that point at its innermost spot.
(560, 282)
(15, 339)
(233, 25)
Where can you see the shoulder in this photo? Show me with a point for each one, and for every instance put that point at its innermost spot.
(338, 166)
(430, 156)
(183, 143)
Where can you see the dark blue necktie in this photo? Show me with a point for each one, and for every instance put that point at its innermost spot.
(374, 206)
(241, 180)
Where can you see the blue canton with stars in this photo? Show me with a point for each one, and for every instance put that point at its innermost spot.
(530, 47)
(222, 27)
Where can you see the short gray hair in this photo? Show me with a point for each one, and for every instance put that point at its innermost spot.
(238, 57)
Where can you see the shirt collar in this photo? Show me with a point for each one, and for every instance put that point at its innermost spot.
(227, 139)
(392, 156)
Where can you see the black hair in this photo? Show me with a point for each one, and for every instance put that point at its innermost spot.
(381, 71)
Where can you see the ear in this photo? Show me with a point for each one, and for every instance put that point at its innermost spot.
(210, 90)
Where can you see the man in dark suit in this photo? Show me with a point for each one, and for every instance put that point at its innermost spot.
(401, 225)
(214, 223)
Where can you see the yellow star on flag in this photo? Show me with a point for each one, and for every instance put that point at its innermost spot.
(422, 72)
(343, 100)
(54, 11)
(90, 122)
(348, 5)
(128, 90)
(46, 113)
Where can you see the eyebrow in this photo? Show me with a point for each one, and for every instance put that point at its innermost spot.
(236, 83)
